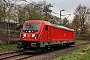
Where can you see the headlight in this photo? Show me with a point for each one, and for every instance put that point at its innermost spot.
(34, 36)
(23, 35)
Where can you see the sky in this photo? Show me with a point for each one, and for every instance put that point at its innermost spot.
(69, 6)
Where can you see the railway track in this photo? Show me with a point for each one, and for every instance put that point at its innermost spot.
(18, 54)
(9, 54)
(18, 57)
(13, 55)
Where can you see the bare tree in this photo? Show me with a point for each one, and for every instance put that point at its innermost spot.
(65, 21)
(45, 9)
(82, 12)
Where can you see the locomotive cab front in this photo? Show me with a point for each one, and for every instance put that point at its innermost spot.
(29, 35)
(29, 32)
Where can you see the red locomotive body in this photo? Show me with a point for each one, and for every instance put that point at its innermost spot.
(38, 34)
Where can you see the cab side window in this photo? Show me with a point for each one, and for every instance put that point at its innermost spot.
(46, 27)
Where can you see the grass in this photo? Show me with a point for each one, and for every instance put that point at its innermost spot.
(81, 40)
(82, 53)
(8, 47)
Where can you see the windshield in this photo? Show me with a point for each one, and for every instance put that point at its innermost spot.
(31, 27)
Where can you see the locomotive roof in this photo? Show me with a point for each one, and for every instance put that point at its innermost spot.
(62, 27)
(38, 21)
(33, 21)
(48, 23)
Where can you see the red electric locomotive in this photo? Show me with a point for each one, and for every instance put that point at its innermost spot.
(40, 34)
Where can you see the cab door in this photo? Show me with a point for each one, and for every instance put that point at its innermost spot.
(49, 34)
